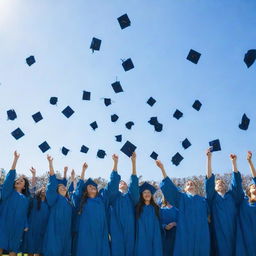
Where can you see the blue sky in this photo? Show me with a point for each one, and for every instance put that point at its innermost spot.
(58, 34)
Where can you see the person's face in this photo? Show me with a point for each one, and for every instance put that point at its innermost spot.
(253, 189)
(220, 186)
(146, 194)
(190, 187)
(92, 191)
(123, 185)
(62, 190)
(19, 183)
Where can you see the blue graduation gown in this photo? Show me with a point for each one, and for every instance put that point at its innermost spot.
(223, 215)
(246, 228)
(122, 220)
(57, 240)
(13, 215)
(168, 215)
(192, 234)
(148, 233)
(92, 233)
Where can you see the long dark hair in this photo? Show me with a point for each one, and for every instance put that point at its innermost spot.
(83, 201)
(38, 196)
(25, 191)
(141, 203)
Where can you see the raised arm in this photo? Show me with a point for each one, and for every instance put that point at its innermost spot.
(15, 160)
(50, 162)
(209, 163)
(210, 178)
(65, 181)
(170, 191)
(249, 159)
(133, 189)
(33, 180)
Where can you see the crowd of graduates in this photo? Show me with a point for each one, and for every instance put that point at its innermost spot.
(125, 219)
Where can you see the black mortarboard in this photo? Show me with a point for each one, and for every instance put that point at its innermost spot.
(44, 146)
(250, 57)
(84, 149)
(197, 105)
(244, 122)
(95, 44)
(11, 114)
(193, 56)
(86, 95)
(53, 100)
(153, 120)
(94, 125)
(30, 60)
(154, 155)
(186, 143)
(128, 148)
(147, 186)
(128, 64)
(101, 153)
(151, 101)
(107, 101)
(37, 117)
(118, 138)
(124, 21)
(117, 87)
(68, 112)
(90, 182)
(129, 125)
(177, 158)
(114, 117)
(18, 133)
(177, 114)
(215, 145)
(158, 126)
(64, 151)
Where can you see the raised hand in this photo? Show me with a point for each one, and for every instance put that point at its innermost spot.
(65, 172)
(115, 157)
(249, 156)
(161, 166)
(85, 166)
(208, 153)
(16, 155)
(15, 160)
(73, 175)
(49, 158)
(233, 158)
(33, 171)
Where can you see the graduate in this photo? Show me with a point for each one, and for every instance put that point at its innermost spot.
(169, 219)
(223, 207)
(57, 239)
(92, 234)
(192, 235)
(14, 210)
(148, 227)
(122, 215)
(246, 224)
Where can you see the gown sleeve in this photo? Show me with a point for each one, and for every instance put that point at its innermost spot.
(8, 184)
(171, 192)
(77, 195)
(254, 180)
(236, 188)
(51, 191)
(133, 189)
(210, 188)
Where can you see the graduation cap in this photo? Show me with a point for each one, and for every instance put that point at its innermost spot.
(151, 101)
(154, 155)
(101, 153)
(84, 149)
(129, 125)
(158, 126)
(197, 105)
(124, 21)
(127, 64)
(68, 112)
(64, 151)
(53, 100)
(244, 123)
(177, 158)
(17, 134)
(94, 125)
(250, 57)
(114, 117)
(215, 145)
(177, 114)
(117, 87)
(11, 114)
(37, 117)
(86, 95)
(186, 143)
(128, 148)
(95, 44)
(90, 182)
(147, 186)
(193, 56)
(30, 60)
(107, 101)
(44, 146)
(118, 138)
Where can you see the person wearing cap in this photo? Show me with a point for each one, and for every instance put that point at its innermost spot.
(192, 234)
(122, 215)
(14, 210)
(148, 227)
(246, 221)
(169, 219)
(92, 206)
(223, 207)
(57, 240)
